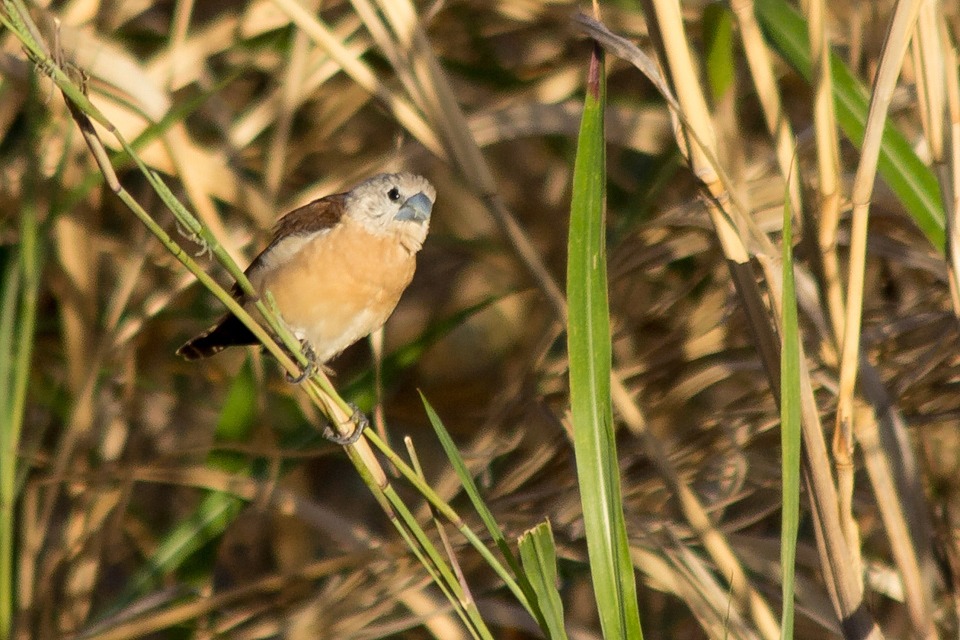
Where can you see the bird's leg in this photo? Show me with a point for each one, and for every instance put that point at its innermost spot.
(360, 422)
(309, 369)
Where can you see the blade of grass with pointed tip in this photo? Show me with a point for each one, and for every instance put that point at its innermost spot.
(539, 556)
(439, 569)
(588, 340)
(789, 426)
(493, 527)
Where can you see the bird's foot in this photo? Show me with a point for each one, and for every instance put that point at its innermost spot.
(309, 369)
(359, 421)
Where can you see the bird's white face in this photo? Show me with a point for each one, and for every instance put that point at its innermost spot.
(393, 203)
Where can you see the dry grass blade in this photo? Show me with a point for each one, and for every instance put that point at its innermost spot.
(155, 496)
(895, 45)
(895, 48)
(406, 114)
(828, 168)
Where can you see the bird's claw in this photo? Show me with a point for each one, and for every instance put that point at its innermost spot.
(304, 374)
(359, 421)
(309, 370)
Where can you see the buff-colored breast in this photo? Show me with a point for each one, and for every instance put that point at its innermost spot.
(340, 285)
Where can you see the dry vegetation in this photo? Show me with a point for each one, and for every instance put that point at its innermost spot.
(130, 458)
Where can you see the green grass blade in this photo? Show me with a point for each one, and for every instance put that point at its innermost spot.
(910, 179)
(460, 467)
(19, 298)
(439, 569)
(9, 297)
(493, 527)
(539, 556)
(789, 427)
(588, 339)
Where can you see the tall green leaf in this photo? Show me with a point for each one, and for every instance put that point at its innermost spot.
(789, 426)
(588, 341)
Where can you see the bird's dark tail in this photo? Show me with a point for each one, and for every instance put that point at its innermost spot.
(228, 332)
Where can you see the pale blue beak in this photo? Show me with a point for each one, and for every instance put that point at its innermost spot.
(416, 208)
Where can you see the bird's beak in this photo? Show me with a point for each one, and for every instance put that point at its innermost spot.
(416, 208)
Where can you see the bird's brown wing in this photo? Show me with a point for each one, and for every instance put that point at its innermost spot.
(312, 217)
(229, 331)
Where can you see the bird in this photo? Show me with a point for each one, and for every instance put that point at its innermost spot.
(336, 267)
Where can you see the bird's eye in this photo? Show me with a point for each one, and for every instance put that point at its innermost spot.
(393, 194)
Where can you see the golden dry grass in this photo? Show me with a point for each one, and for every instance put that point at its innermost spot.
(264, 107)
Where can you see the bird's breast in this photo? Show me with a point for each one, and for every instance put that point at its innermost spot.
(339, 286)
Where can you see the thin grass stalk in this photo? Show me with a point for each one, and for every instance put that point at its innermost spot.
(9, 442)
(828, 168)
(409, 529)
(450, 514)
(951, 175)
(486, 516)
(468, 598)
(465, 600)
(843, 586)
(290, 98)
(589, 353)
(917, 595)
(179, 27)
(761, 72)
(895, 46)
(929, 56)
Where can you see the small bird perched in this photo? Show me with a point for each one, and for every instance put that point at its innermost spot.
(336, 267)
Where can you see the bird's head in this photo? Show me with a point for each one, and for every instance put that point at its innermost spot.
(393, 203)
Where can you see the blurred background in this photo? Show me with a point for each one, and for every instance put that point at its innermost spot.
(160, 498)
